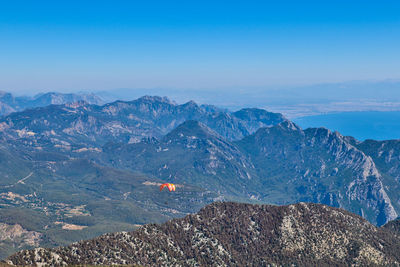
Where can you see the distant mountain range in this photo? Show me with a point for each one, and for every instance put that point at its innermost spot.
(82, 124)
(292, 101)
(77, 170)
(232, 234)
(10, 103)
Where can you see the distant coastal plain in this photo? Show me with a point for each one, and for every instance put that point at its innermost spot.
(377, 125)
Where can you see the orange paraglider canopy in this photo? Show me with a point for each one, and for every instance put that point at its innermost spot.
(171, 187)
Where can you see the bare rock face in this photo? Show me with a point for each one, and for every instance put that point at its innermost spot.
(318, 165)
(281, 164)
(386, 156)
(16, 232)
(366, 185)
(18, 237)
(227, 234)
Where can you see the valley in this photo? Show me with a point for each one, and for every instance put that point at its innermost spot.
(75, 171)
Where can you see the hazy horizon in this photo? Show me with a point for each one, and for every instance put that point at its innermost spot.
(297, 58)
(293, 102)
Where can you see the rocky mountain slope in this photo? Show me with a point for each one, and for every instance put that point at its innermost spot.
(321, 166)
(112, 158)
(10, 103)
(278, 164)
(386, 154)
(190, 154)
(393, 227)
(281, 164)
(226, 234)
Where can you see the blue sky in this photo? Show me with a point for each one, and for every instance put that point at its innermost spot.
(101, 45)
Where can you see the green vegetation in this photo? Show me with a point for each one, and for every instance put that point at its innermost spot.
(238, 234)
(72, 173)
(74, 199)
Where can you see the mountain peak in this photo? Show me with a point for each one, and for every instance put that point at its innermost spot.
(190, 103)
(148, 98)
(191, 129)
(191, 106)
(289, 125)
(259, 114)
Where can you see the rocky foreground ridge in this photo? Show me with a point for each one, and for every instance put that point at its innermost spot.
(227, 234)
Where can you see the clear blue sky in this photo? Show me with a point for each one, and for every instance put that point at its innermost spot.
(100, 45)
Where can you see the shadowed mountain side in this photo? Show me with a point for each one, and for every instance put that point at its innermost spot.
(317, 165)
(386, 155)
(393, 227)
(226, 234)
(190, 154)
(281, 164)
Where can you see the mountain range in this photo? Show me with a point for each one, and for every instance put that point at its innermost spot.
(227, 234)
(10, 103)
(77, 170)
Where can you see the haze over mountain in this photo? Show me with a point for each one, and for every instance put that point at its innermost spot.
(291, 100)
(208, 96)
(128, 121)
(10, 103)
(112, 158)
